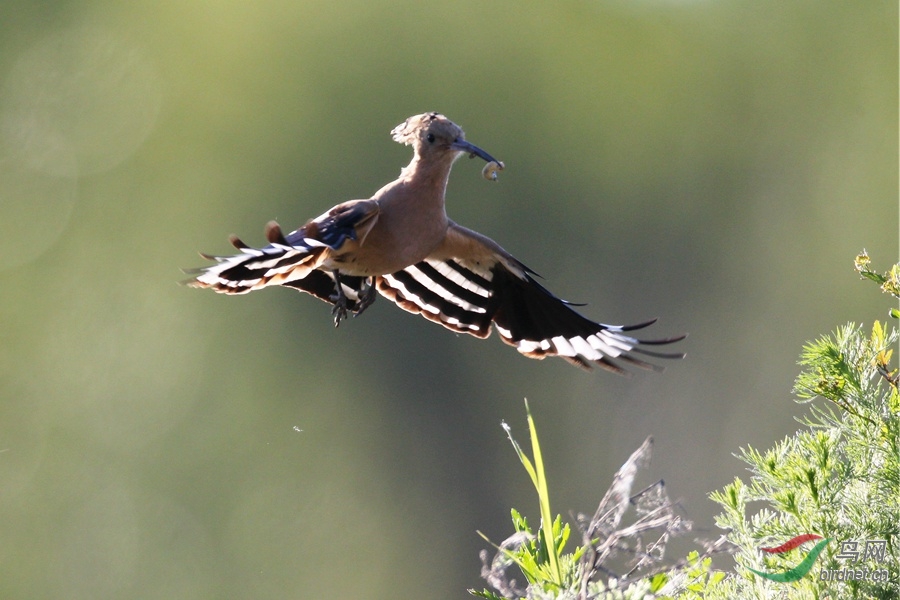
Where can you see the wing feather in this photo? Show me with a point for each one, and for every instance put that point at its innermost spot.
(471, 283)
(290, 259)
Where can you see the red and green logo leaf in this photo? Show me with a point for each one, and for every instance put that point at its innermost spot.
(804, 566)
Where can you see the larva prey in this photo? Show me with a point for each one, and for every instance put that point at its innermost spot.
(491, 169)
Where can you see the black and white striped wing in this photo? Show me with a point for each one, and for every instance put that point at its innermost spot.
(469, 296)
(457, 294)
(256, 268)
(288, 260)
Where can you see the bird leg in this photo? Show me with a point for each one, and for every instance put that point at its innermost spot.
(366, 296)
(342, 304)
(339, 312)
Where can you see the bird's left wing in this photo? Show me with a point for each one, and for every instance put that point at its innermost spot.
(291, 259)
(470, 283)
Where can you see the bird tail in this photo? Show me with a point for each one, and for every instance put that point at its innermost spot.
(278, 263)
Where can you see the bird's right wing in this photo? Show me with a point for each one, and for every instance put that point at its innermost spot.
(289, 259)
(471, 283)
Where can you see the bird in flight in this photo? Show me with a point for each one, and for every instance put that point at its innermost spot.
(401, 243)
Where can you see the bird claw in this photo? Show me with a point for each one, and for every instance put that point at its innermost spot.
(339, 312)
(366, 298)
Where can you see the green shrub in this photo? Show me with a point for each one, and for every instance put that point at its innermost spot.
(836, 482)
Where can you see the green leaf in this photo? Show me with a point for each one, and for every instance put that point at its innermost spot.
(543, 499)
(658, 581)
(521, 453)
(520, 523)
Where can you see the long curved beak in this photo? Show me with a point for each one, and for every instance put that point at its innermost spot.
(472, 150)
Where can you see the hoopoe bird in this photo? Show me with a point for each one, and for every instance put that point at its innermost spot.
(401, 243)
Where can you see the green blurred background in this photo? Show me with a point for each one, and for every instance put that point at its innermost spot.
(717, 164)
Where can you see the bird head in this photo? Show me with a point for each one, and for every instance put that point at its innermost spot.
(433, 135)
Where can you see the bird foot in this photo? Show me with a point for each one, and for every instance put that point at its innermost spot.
(366, 297)
(339, 312)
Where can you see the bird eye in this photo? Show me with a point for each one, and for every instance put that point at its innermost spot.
(430, 138)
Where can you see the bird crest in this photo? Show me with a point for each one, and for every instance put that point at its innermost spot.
(417, 128)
